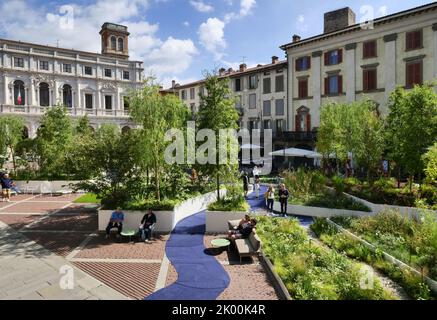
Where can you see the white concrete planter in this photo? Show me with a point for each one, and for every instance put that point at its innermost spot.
(217, 221)
(165, 220)
(320, 212)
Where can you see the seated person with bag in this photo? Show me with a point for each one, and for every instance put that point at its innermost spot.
(116, 221)
(244, 232)
(146, 225)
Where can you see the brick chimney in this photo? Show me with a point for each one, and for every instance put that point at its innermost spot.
(230, 70)
(222, 71)
(275, 60)
(243, 67)
(339, 19)
(173, 83)
(296, 38)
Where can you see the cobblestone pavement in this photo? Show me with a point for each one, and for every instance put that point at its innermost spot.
(39, 234)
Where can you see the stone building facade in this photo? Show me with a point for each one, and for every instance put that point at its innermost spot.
(35, 77)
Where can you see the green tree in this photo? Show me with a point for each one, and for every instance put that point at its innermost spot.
(430, 160)
(411, 127)
(11, 134)
(217, 112)
(157, 114)
(53, 141)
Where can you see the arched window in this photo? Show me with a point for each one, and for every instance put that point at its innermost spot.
(44, 95)
(25, 133)
(303, 120)
(113, 43)
(67, 96)
(19, 93)
(120, 44)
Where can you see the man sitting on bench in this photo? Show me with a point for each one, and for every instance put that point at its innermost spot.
(147, 222)
(244, 232)
(116, 221)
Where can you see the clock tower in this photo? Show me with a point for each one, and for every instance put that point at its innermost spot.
(115, 40)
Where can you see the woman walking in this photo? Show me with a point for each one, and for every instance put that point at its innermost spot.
(283, 199)
(270, 196)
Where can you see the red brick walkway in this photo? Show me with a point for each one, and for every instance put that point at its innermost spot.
(135, 270)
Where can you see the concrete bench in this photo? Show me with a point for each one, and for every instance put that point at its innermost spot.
(248, 247)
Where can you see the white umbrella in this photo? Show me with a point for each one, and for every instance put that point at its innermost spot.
(316, 155)
(250, 146)
(292, 152)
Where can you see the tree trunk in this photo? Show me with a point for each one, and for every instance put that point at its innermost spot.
(411, 182)
(13, 160)
(218, 187)
(158, 193)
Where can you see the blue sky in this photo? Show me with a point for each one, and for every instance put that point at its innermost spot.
(178, 39)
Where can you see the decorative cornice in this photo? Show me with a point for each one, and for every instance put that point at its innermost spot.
(333, 71)
(370, 66)
(351, 46)
(390, 37)
(317, 54)
(421, 57)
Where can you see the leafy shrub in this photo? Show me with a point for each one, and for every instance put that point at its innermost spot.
(338, 184)
(229, 205)
(302, 182)
(330, 201)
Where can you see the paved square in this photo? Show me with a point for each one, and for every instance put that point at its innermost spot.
(18, 221)
(34, 207)
(77, 222)
(61, 244)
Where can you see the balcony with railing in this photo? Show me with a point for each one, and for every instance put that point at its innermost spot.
(37, 110)
(298, 136)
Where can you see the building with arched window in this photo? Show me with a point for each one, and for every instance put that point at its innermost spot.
(34, 77)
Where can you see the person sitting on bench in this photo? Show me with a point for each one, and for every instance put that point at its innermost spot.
(147, 222)
(116, 221)
(244, 232)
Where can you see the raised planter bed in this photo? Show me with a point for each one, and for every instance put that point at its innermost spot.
(320, 212)
(217, 221)
(431, 283)
(166, 220)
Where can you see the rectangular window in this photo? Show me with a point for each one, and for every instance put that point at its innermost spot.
(267, 85)
(108, 102)
(303, 64)
(369, 79)
(253, 82)
(267, 124)
(369, 49)
(414, 40)
(193, 108)
(192, 93)
(108, 73)
(88, 101)
(66, 68)
(88, 70)
(280, 125)
(279, 106)
(44, 65)
(303, 88)
(18, 62)
(333, 57)
(126, 103)
(267, 108)
(184, 95)
(202, 90)
(238, 102)
(238, 86)
(414, 73)
(126, 75)
(279, 83)
(334, 85)
(252, 101)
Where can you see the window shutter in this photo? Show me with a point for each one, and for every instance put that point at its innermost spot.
(340, 55)
(365, 80)
(309, 62)
(418, 73)
(308, 122)
(297, 121)
(305, 88)
(372, 79)
(409, 40)
(418, 39)
(410, 73)
(326, 58)
(297, 65)
(340, 84)
(326, 86)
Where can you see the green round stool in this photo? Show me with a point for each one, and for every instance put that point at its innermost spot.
(128, 233)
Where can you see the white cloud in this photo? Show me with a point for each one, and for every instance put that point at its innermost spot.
(246, 8)
(45, 27)
(201, 6)
(212, 36)
(186, 24)
(300, 23)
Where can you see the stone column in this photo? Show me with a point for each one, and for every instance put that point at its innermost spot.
(56, 93)
(78, 96)
(350, 72)
(99, 99)
(434, 27)
(390, 63)
(316, 67)
(5, 90)
(32, 98)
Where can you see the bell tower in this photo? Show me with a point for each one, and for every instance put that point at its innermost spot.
(115, 40)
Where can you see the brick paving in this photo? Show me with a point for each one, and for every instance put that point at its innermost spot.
(135, 280)
(18, 221)
(101, 248)
(34, 207)
(61, 244)
(172, 275)
(78, 222)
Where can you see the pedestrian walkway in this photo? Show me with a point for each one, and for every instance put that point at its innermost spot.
(29, 271)
(200, 276)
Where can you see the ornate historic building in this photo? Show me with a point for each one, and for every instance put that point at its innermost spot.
(34, 77)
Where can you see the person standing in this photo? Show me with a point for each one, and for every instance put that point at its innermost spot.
(270, 196)
(146, 225)
(7, 185)
(283, 199)
(245, 184)
(257, 186)
(116, 221)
